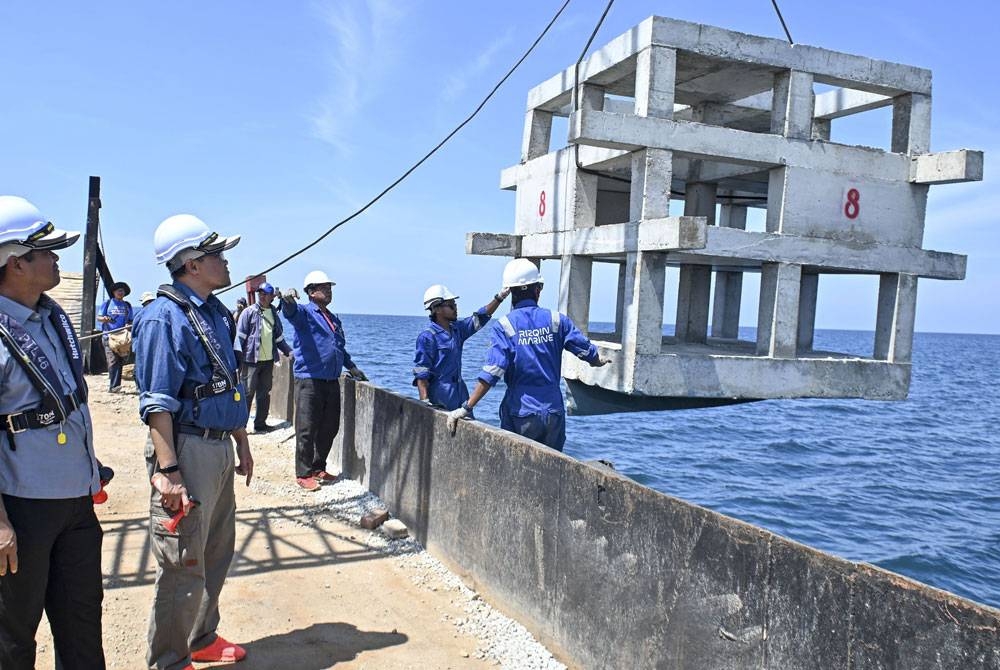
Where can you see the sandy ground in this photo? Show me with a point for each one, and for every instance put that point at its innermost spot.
(307, 589)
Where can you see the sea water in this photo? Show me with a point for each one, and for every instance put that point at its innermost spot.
(911, 486)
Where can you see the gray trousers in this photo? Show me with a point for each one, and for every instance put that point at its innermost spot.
(193, 562)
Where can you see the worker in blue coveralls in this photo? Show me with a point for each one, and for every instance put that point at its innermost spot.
(114, 315)
(191, 399)
(526, 350)
(437, 365)
(50, 539)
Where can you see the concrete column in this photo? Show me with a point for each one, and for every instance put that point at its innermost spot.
(897, 311)
(778, 316)
(582, 210)
(591, 97)
(537, 134)
(821, 129)
(775, 198)
(695, 285)
(642, 316)
(652, 172)
(620, 305)
(911, 124)
(793, 104)
(575, 281)
(655, 77)
(728, 285)
(808, 293)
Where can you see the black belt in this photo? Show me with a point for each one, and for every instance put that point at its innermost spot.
(38, 418)
(207, 433)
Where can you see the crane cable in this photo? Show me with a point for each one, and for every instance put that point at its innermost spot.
(419, 162)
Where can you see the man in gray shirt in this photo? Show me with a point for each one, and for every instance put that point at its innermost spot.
(50, 539)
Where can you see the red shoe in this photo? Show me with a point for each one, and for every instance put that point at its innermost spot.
(323, 477)
(220, 650)
(308, 483)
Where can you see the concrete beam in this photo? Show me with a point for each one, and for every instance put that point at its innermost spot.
(706, 374)
(678, 232)
(618, 131)
(616, 60)
(830, 67)
(594, 158)
(493, 244)
(847, 102)
(608, 64)
(947, 167)
(730, 243)
(721, 246)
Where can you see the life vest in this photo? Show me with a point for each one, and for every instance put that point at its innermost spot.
(223, 379)
(55, 407)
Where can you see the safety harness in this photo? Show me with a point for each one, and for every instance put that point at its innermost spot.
(223, 379)
(55, 407)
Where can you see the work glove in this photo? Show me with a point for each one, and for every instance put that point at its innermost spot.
(454, 416)
(358, 375)
(291, 295)
(502, 295)
(600, 362)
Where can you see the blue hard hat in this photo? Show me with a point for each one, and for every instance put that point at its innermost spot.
(265, 288)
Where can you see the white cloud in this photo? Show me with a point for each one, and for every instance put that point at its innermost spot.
(456, 84)
(365, 47)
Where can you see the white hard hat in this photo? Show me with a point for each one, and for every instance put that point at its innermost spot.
(189, 234)
(521, 272)
(316, 277)
(148, 296)
(23, 229)
(437, 294)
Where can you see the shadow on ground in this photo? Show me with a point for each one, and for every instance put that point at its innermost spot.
(317, 647)
(289, 537)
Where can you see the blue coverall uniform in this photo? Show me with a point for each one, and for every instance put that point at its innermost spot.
(526, 351)
(438, 359)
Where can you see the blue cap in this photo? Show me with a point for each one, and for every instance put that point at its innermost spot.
(265, 288)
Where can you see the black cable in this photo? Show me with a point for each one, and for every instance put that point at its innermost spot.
(419, 162)
(782, 19)
(576, 90)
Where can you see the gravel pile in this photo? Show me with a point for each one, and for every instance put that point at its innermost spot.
(500, 639)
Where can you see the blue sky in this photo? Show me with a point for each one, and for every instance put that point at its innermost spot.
(276, 120)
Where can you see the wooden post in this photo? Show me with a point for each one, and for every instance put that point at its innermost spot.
(90, 252)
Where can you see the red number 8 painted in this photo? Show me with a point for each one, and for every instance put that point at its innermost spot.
(541, 204)
(853, 206)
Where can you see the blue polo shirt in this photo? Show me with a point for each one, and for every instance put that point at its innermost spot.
(526, 351)
(438, 359)
(119, 311)
(40, 467)
(169, 356)
(319, 344)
